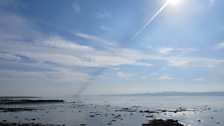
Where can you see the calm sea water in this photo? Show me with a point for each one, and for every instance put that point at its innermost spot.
(209, 111)
(152, 101)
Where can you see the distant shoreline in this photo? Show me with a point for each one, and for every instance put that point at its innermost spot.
(10, 97)
(171, 93)
(220, 93)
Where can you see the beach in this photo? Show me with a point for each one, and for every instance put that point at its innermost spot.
(84, 113)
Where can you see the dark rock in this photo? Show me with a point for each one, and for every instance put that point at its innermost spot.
(109, 123)
(149, 116)
(117, 117)
(16, 109)
(28, 101)
(147, 111)
(25, 124)
(160, 122)
(91, 115)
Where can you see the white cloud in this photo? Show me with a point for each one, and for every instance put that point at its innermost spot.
(98, 41)
(220, 45)
(194, 62)
(69, 54)
(179, 61)
(57, 42)
(59, 74)
(165, 50)
(174, 61)
(124, 75)
(86, 56)
(59, 55)
(176, 50)
(8, 56)
(183, 61)
(166, 77)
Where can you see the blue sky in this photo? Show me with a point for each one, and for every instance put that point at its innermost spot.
(55, 47)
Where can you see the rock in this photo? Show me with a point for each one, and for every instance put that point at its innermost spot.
(160, 122)
(91, 115)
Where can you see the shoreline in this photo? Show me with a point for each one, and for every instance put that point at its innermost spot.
(81, 114)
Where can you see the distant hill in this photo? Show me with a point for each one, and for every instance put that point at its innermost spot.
(221, 93)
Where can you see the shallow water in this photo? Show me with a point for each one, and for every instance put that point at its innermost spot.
(105, 110)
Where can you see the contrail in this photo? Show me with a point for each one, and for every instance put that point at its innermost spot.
(101, 70)
(153, 17)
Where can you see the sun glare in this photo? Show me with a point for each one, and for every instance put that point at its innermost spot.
(174, 2)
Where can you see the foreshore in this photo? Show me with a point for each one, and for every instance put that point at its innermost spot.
(60, 113)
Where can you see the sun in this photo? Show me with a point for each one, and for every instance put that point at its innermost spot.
(174, 2)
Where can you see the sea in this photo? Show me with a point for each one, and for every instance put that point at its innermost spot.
(118, 110)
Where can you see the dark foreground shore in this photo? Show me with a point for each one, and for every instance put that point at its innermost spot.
(155, 122)
(7, 101)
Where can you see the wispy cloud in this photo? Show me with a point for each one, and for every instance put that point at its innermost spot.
(103, 14)
(67, 53)
(220, 45)
(179, 61)
(211, 3)
(154, 74)
(57, 42)
(187, 50)
(184, 61)
(165, 50)
(199, 79)
(76, 6)
(161, 76)
(8, 56)
(166, 77)
(71, 75)
(57, 52)
(56, 75)
(103, 27)
(194, 62)
(124, 75)
(14, 26)
(97, 41)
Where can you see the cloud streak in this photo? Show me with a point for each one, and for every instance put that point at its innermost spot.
(220, 45)
(76, 6)
(147, 23)
(167, 51)
(97, 41)
(57, 42)
(62, 75)
(28, 54)
(124, 75)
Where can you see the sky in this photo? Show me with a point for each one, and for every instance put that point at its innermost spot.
(72, 47)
